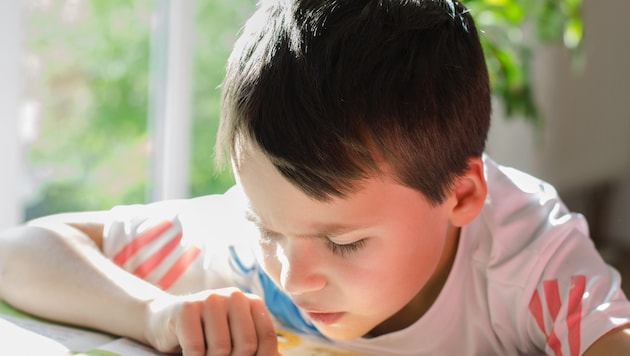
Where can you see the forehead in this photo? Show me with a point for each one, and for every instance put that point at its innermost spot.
(373, 164)
(253, 168)
(279, 205)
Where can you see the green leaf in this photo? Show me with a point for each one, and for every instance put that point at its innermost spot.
(573, 33)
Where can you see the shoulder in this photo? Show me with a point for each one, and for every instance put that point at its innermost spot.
(208, 222)
(230, 202)
(541, 266)
(526, 234)
(522, 211)
(208, 212)
(186, 242)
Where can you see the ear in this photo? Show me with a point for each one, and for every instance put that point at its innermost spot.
(469, 193)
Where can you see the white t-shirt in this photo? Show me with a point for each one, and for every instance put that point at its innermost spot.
(526, 278)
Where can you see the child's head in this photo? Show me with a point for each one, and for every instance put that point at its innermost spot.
(333, 91)
(356, 129)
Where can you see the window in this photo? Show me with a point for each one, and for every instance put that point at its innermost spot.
(100, 106)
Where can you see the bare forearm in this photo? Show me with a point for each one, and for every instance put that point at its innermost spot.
(616, 342)
(59, 273)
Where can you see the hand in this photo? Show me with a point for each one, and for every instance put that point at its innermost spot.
(214, 322)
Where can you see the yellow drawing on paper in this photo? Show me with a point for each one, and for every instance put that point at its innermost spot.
(293, 344)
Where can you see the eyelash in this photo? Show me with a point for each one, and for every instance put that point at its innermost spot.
(337, 249)
(345, 249)
(267, 236)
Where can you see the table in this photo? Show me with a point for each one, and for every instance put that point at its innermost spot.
(26, 335)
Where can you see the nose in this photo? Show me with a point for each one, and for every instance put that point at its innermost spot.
(300, 266)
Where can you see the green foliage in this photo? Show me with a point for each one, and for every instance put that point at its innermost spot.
(93, 91)
(510, 30)
(218, 23)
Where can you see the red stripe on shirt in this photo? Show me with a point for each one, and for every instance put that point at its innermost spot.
(552, 297)
(143, 239)
(574, 312)
(178, 267)
(535, 307)
(156, 258)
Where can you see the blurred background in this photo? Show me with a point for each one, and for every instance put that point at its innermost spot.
(117, 102)
(113, 102)
(582, 145)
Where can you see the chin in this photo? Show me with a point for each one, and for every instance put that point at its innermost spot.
(339, 332)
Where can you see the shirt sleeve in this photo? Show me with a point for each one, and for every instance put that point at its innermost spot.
(181, 246)
(576, 299)
(553, 292)
(185, 246)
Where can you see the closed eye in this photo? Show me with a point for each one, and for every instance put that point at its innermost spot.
(268, 236)
(345, 249)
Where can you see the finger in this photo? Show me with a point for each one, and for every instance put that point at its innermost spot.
(244, 339)
(189, 331)
(216, 327)
(265, 329)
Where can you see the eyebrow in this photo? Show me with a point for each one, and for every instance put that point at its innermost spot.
(323, 230)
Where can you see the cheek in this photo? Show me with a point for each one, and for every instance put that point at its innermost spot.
(409, 258)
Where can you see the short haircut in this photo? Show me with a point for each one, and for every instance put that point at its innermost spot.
(332, 91)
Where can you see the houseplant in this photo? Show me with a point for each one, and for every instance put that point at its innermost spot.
(510, 31)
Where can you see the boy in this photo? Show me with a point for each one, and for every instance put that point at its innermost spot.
(356, 132)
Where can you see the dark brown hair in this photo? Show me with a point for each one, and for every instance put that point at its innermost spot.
(330, 90)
